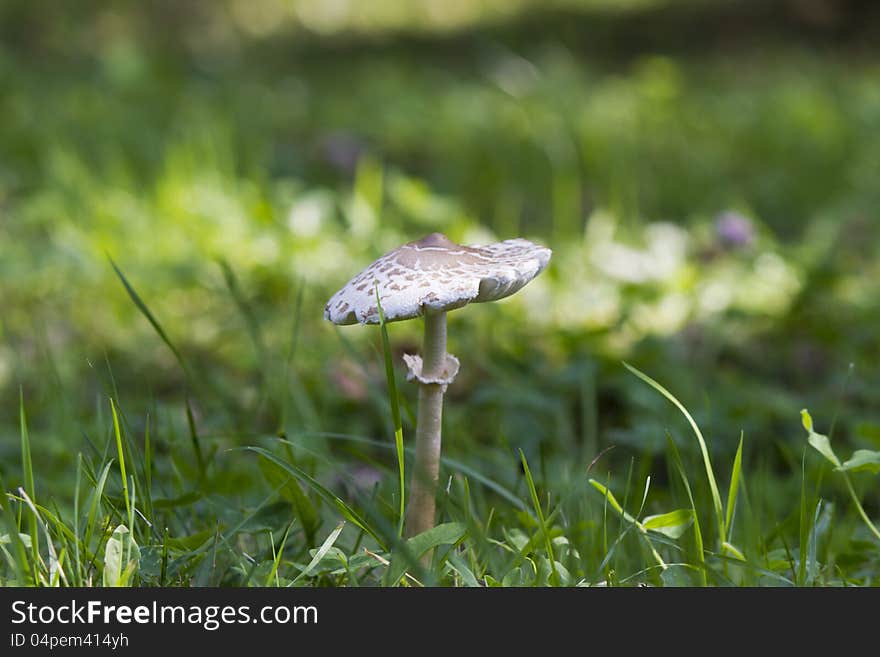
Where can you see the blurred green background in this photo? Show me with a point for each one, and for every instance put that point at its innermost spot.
(706, 173)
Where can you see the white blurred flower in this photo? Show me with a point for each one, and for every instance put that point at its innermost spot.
(307, 214)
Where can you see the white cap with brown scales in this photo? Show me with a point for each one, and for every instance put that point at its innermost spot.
(437, 274)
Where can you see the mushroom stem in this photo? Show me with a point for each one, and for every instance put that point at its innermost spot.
(423, 488)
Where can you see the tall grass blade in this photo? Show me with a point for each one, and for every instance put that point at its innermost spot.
(663, 523)
(145, 311)
(148, 468)
(733, 490)
(395, 412)
(54, 561)
(698, 534)
(710, 474)
(324, 493)
(27, 468)
(276, 556)
(17, 556)
(450, 463)
(292, 387)
(194, 439)
(290, 490)
(554, 577)
(244, 308)
(94, 507)
(803, 527)
(76, 493)
(121, 455)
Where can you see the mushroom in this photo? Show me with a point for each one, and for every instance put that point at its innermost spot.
(427, 279)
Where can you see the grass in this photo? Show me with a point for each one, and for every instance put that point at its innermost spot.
(175, 412)
(483, 540)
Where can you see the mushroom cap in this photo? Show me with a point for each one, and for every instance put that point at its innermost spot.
(436, 274)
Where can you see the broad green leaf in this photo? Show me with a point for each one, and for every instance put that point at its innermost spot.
(818, 441)
(672, 524)
(862, 460)
(457, 563)
(515, 577)
(6, 539)
(821, 443)
(192, 541)
(445, 534)
(517, 538)
(186, 499)
(491, 582)
(546, 570)
(121, 557)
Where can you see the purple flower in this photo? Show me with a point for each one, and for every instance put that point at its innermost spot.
(734, 230)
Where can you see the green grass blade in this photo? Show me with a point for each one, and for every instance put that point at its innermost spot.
(18, 557)
(194, 439)
(540, 513)
(324, 493)
(94, 507)
(291, 491)
(145, 311)
(276, 556)
(292, 387)
(698, 534)
(450, 463)
(804, 525)
(148, 468)
(395, 412)
(27, 468)
(320, 552)
(244, 308)
(611, 501)
(54, 561)
(710, 474)
(76, 547)
(733, 490)
(121, 455)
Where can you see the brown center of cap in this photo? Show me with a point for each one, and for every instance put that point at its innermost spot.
(436, 252)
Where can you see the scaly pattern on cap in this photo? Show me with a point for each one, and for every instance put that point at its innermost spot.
(437, 274)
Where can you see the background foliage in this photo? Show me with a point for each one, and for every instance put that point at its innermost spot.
(705, 173)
